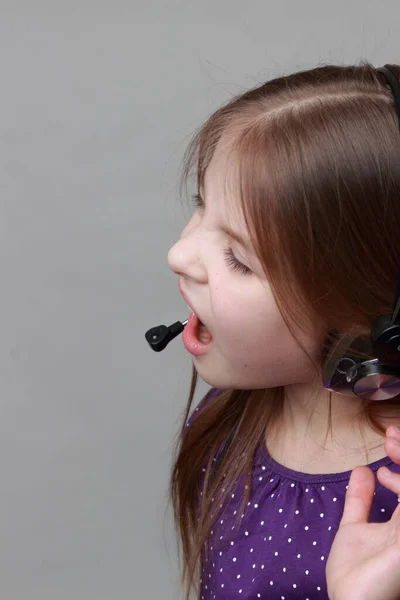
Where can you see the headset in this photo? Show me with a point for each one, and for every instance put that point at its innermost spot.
(364, 368)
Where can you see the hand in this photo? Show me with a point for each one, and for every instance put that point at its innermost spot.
(364, 561)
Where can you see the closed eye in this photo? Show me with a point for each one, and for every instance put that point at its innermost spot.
(235, 264)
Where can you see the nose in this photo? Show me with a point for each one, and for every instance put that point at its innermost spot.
(185, 258)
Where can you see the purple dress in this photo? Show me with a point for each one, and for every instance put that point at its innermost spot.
(280, 548)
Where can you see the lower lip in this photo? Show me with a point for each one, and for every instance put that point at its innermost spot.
(190, 337)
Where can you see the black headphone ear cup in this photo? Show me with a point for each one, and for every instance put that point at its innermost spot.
(385, 339)
(374, 381)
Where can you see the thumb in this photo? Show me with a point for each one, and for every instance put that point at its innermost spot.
(359, 496)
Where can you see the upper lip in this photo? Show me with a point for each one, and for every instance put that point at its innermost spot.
(187, 300)
(184, 296)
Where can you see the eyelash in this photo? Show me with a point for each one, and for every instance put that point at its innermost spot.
(230, 259)
(234, 264)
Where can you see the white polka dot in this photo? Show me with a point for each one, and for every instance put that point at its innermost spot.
(284, 569)
(285, 525)
(322, 557)
(254, 566)
(295, 585)
(306, 527)
(299, 556)
(276, 553)
(270, 538)
(314, 543)
(260, 478)
(296, 512)
(289, 540)
(307, 572)
(280, 510)
(251, 549)
(292, 485)
(330, 527)
(234, 559)
(323, 488)
(222, 585)
(334, 499)
(271, 479)
(246, 533)
(262, 566)
(220, 553)
(263, 468)
(318, 588)
(271, 583)
(240, 591)
(262, 523)
(312, 500)
(306, 489)
(382, 510)
(237, 576)
(258, 595)
(321, 515)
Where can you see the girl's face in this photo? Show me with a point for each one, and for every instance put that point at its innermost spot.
(224, 284)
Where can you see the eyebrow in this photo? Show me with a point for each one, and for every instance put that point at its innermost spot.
(230, 232)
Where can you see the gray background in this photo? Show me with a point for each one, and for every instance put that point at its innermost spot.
(98, 101)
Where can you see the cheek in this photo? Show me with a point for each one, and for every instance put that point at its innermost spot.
(246, 317)
(251, 332)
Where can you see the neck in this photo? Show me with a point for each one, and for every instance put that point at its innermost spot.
(309, 410)
(322, 432)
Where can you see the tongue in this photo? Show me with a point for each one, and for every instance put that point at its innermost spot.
(204, 335)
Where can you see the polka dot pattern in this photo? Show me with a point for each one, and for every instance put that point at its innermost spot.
(279, 548)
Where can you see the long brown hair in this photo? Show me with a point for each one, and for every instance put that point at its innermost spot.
(317, 157)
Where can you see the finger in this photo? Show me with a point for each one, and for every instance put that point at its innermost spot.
(392, 443)
(359, 496)
(389, 479)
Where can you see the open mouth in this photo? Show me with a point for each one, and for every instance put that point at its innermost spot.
(204, 335)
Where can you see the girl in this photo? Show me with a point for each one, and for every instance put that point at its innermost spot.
(294, 244)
